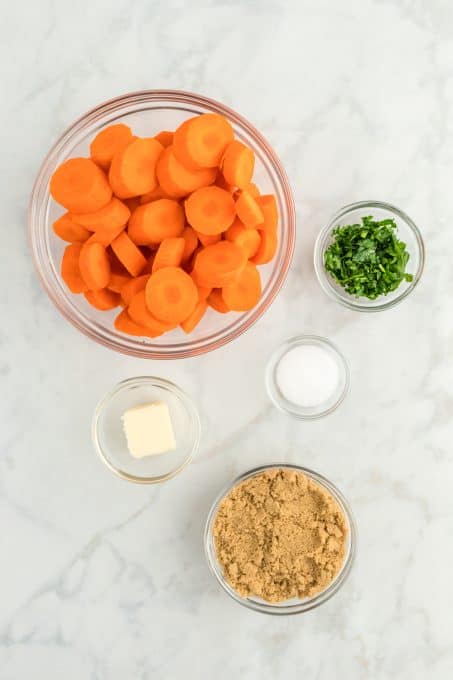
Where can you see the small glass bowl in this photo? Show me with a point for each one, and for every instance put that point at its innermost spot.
(110, 441)
(312, 412)
(407, 232)
(294, 606)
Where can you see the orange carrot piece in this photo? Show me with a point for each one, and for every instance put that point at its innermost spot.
(208, 239)
(94, 265)
(132, 287)
(171, 295)
(210, 210)
(177, 180)
(247, 239)
(80, 186)
(267, 248)
(118, 281)
(216, 301)
(68, 230)
(200, 142)
(114, 214)
(133, 169)
(132, 203)
(105, 236)
(220, 264)
(149, 265)
(268, 206)
(128, 254)
(252, 189)
(248, 210)
(223, 184)
(195, 317)
(244, 293)
(165, 138)
(124, 323)
(152, 222)
(70, 270)
(103, 299)
(107, 142)
(153, 195)
(238, 164)
(139, 312)
(191, 242)
(203, 291)
(169, 254)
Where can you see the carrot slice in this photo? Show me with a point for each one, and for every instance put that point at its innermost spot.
(223, 184)
(177, 180)
(152, 222)
(216, 301)
(208, 239)
(165, 138)
(70, 270)
(190, 243)
(68, 230)
(252, 189)
(132, 203)
(139, 312)
(124, 323)
(114, 214)
(210, 210)
(94, 265)
(195, 317)
(133, 169)
(107, 142)
(248, 239)
(169, 254)
(219, 264)
(105, 236)
(80, 186)
(153, 195)
(132, 287)
(203, 291)
(238, 164)
(244, 293)
(248, 210)
(267, 248)
(128, 254)
(200, 142)
(268, 206)
(118, 281)
(171, 295)
(103, 299)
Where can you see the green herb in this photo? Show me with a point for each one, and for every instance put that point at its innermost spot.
(367, 260)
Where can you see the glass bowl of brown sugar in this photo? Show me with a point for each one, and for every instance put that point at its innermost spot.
(280, 539)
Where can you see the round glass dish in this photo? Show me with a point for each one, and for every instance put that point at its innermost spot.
(312, 412)
(295, 606)
(407, 232)
(147, 113)
(110, 441)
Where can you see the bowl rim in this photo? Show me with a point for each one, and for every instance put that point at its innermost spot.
(303, 605)
(156, 382)
(344, 298)
(106, 337)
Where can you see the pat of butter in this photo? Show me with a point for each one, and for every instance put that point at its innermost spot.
(148, 429)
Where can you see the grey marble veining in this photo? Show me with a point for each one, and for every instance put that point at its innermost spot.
(101, 580)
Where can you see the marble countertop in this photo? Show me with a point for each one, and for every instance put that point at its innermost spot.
(105, 580)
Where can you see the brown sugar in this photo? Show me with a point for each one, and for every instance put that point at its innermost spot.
(279, 535)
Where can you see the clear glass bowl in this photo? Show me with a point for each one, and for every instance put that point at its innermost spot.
(307, 412)
(110, 441)
(147, 113)
(407, 232)
(295, 606)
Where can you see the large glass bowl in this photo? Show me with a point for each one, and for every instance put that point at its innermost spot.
(147, 113)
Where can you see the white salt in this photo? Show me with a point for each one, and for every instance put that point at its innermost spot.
(307, 375)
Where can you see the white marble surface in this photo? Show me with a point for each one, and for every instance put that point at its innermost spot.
(103, 580)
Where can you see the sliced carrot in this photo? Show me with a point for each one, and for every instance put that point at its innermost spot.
(171, 295)
(139, 312)
(70, 270)
(216, 301)
(149, 265)
(80, 185)
(124, 323)
(268, 206)
(248, 210)
(208, 239)
(103, 299)
(114, 214)
(248, 239)
(107, 142)
(165, 138)
(153, 195)
(219, 264)
(132, 203)
(152, 222)
(94, 265)
(118, 281)
(191, 242)
(210, 210)
(68, 230)
(133, 169)
(223, 184)
(177, 180)
(252, 189)
(105, 236)
(200, 142)
(133, 286)
(128, 254)
(267, 248)
(238, 164)
(169, 253)
(195, 317)
(244, 293)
